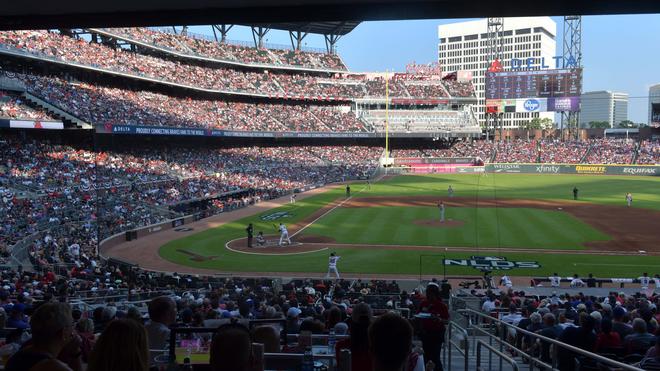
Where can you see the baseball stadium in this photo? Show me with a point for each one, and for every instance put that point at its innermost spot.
(175, 200)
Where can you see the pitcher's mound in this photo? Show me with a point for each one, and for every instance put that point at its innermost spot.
(437, 223)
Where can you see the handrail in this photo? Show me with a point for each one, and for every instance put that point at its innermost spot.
(449, 343)
(532, 360)
(557, 343)
(509, 360)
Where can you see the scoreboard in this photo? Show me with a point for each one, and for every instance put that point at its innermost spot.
(558, 83)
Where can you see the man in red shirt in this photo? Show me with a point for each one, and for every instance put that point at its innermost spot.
(433, 327)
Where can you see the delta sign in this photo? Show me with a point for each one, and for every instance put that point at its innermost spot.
(559, 63)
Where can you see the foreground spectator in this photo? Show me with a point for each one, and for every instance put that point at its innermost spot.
(162, 314)
(390, 341)
(358, 342)
(122, 346)
(52, 331)
(433, 328)
(231, 349)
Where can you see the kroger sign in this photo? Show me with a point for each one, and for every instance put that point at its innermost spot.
(559, 62)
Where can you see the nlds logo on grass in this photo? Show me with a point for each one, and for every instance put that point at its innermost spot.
(531, 105)
(490, 263)
(275, 216)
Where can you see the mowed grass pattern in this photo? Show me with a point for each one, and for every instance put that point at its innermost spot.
(596, 189)
(487, 227)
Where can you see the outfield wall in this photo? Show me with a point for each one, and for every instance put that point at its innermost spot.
(587, 169)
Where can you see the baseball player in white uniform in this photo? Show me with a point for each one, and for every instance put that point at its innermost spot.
(644, 281)
(656, 280)
(555, 280)
(629, 199)
(332, 265)
(506, 281)
(441, 208)
(284, 235)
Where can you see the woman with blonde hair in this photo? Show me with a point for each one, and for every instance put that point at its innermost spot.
(121, 346)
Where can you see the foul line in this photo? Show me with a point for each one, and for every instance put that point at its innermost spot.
(329, 211)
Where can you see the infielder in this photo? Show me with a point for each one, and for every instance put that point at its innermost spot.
(292, 199)
(629, 199)
(284, 235)
(450, 191)
(332, 265)
(441, 208)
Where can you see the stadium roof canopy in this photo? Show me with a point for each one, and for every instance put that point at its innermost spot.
(340, 28)
(100, 13)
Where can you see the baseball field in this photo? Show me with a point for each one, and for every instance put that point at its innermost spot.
(393, 227)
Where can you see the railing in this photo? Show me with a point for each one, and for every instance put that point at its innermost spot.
(472, 324)
(511, 361)
(450, 343)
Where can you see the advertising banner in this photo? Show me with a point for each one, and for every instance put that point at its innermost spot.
(574, 169)
(566, 104)
(532, 105)
(29, 124)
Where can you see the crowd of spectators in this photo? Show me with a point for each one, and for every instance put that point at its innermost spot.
(47, 326)
(105, 105)
(12, 106)
(594, 151)
(518, 151)
(620, 326)
(223, 78)
(611, 151)
(198, 45)
(649, 152)
(65, 195)
(566, 152)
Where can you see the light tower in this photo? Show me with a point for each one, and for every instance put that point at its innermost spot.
(572, 48)
(495, 45)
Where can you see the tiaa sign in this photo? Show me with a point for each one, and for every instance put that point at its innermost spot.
(490, 263)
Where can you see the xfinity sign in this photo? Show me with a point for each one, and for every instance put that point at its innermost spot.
(529, 63)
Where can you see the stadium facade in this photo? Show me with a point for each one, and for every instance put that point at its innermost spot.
(463, 46)
(603, 105)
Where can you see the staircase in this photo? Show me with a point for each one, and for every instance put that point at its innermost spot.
(66, 117)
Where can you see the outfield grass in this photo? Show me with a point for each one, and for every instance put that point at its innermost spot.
(561, 228)
(491, 227)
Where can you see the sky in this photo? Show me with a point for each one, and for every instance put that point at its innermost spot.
(620, 53)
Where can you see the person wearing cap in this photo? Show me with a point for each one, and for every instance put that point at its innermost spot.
(433, 328)
(618, 324)
(293, 320)
(332, 265)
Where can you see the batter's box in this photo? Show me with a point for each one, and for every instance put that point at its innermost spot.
(274, 244)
